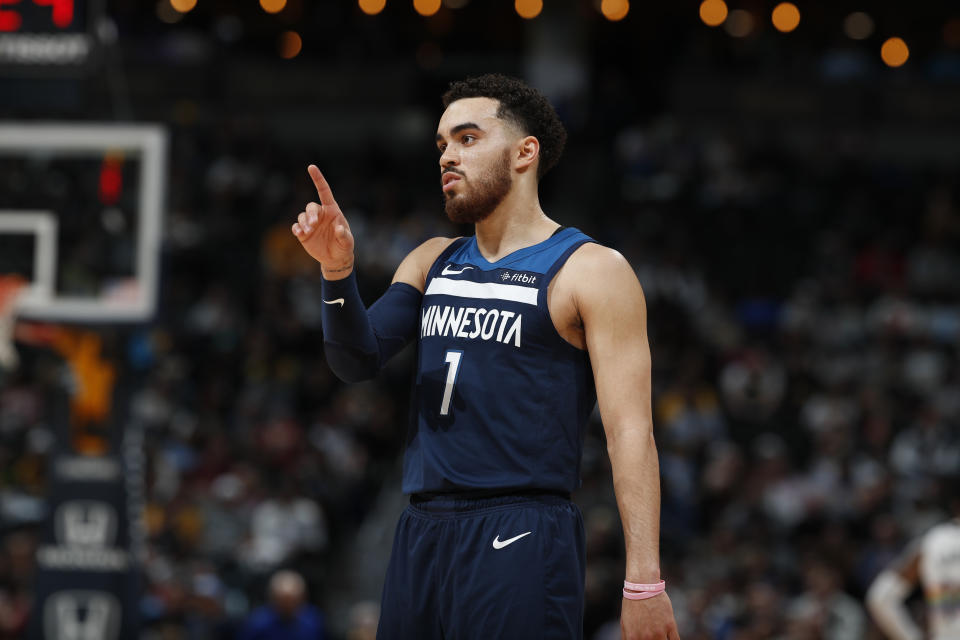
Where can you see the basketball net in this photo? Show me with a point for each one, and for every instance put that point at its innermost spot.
(11, 286)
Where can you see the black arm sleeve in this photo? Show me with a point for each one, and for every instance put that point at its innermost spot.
(357, 341)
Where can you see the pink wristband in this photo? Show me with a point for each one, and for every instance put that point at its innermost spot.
(656, 587)
(631, 595)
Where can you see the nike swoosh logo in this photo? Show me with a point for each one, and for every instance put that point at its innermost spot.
(338, 301)
(447, 271)
(500, 544)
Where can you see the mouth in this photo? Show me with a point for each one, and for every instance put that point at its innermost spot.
(449, 180)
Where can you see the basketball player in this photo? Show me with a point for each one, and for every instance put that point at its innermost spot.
(509, 323)
(933, 562)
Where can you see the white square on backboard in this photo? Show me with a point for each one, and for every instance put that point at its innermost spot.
(43, 226)
(138, 303)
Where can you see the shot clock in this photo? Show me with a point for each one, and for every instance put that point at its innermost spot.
(44, 33)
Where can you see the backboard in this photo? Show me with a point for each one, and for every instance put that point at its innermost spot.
(81, 209)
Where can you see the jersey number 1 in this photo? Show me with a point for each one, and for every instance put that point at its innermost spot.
(453, 359)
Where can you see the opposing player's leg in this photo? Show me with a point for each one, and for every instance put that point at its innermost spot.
(408, 604)
(517, 571)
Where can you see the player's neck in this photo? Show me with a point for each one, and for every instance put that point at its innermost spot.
(517, 223)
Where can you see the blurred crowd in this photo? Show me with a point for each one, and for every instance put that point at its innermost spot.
(804, 315)
(804, 320)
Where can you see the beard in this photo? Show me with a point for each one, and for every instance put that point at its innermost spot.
(489, 190)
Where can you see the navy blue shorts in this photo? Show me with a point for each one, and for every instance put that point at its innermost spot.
(503, 567)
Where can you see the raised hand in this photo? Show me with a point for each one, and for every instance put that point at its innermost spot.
(324, 232)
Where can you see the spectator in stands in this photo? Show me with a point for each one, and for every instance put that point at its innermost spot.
(288, 616)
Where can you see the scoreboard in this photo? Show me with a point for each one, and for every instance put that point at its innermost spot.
(44, 33)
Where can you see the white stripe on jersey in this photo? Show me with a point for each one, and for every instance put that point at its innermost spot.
(482, 290)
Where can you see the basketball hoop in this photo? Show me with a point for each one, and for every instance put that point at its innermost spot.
(11, 286)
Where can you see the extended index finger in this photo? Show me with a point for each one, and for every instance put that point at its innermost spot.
(323, 189)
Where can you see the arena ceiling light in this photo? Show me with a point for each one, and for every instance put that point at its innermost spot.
(183, 6)
(273, 6)
(528, 9)
(614, 10)
(785, 17)
(289, 45)
(739, 23)
(372, 7)
(894, 52)
(713, 13)
(858, 26)
(426, 8)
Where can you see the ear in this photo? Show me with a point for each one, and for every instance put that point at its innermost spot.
(528, 151)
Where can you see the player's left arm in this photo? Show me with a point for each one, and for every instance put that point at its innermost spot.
(888, 592)
(613, 311)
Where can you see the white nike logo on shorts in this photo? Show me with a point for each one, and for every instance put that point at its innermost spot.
(338, 301)
(500, 544)
(447, 271)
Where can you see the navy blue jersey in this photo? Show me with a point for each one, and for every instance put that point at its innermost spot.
(501, 399)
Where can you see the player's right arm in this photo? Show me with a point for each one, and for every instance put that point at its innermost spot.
(886, 595)
(413, 270)
(359, 341)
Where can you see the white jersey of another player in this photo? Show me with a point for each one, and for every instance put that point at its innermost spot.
(933, 562)
(940, 577)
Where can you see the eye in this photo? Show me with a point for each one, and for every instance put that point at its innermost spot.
(441, 148)
(467, 139)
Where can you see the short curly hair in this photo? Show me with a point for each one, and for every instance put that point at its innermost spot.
(520, 104)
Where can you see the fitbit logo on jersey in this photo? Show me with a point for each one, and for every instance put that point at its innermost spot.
(471, 323)
(516, 276)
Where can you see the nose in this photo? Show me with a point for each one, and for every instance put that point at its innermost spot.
(448, 158)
